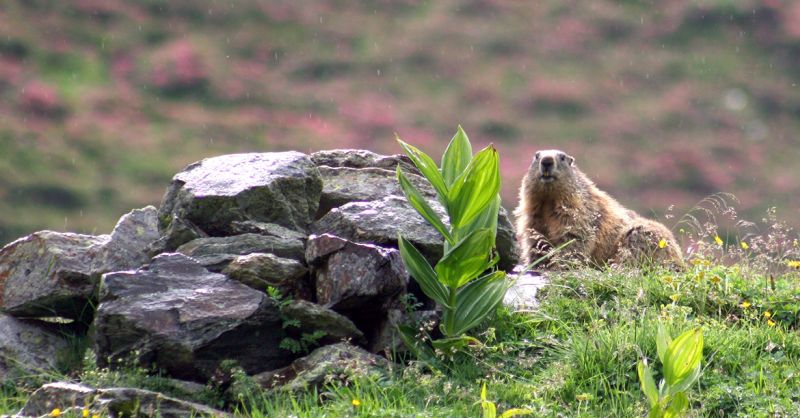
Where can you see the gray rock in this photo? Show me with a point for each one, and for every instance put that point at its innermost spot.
(379, 222)
(339, 361)
(27, 347)
(50, 273)
(268, 229)
(311, 317)
(185, 320)
(259, 270)
(215, 253)
(342, 185)
(506, 241)
(55, 274)
(355, 277)
(278, 187)
(359, 158)
(178, 232)
(113, 402)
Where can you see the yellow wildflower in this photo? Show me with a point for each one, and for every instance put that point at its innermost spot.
(767, 314)
(793, 264)
(356, 403)
(55, 412)
(85, 412)
(715, 279)
(744, 245)
(675, 297)
(583, 397)
(668, 279)
(662, 243)
(700, 276)
(718, 240)
(95, 416)
(745, 304)
(771, 323)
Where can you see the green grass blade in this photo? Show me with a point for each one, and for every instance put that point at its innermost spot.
(456, 157)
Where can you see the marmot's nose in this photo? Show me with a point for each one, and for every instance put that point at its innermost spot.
(548, 162)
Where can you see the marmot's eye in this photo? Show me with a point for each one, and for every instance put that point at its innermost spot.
(563, 157)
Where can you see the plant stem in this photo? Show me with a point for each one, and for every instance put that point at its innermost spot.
(450, 313)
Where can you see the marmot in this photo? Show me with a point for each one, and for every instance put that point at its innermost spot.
(557, 203)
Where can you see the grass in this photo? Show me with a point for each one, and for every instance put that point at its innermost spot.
(574, 356)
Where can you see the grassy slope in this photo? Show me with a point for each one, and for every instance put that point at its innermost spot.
(663, 103)
(576, 355)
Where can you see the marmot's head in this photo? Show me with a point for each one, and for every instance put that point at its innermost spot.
(549, 166)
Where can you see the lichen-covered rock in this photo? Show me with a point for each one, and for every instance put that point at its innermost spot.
(379, 222)
(359, 158)
(341, 361)
(355, 277)
(115, 402)
(260, 270)
(216, 252)
(55, 274)
(342, 185)
(27, 347)
(311, 317)
(185, 320)
(277, 187)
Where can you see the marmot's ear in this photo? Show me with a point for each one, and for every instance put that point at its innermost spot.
(570, 159)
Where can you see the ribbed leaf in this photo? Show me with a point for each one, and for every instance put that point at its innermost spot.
(486, 219)
(648, 383)
(421, 205)
(684, 383)
(456, 157)
(422, 272)
(677, 405)
(683, 356)
(427, 167)
(466, 260)
(662, 342)
(474, 189)
(478, 299)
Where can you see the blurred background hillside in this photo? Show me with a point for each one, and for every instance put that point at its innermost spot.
(661, 102)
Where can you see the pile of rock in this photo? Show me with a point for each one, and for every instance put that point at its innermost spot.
(185, 287)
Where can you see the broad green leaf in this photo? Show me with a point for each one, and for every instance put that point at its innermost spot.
(486, 219)
(489, 409)
(418, 202)
(466, 260)
(478, 299)
(474, 189)
(422, 272)
(683, 356)
(483, 392)
(515, 412)
(447, 345)
(456, 157)
(427, 167)
(686, 382)
(662, 342)
(677, 405)
(648, 383)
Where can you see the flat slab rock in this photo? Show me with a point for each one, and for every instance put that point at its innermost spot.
(184, 319)
(340, 361)
(27, 346)
(360, 158)
(114, 402)
(354, 277)
(275, 187)
(55, 274)
(215, 253)
(260, 270)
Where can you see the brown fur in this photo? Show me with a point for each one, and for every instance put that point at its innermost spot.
(559, 203)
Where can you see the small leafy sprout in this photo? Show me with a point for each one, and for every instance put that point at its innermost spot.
(490, 409)
(680, 359)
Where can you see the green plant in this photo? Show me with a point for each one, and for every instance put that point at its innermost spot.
(307, 341)
(468, 188)
(490, 409)
(680, 359)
